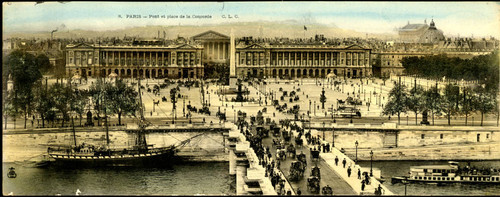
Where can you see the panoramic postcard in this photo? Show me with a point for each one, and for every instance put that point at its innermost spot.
(250, 98)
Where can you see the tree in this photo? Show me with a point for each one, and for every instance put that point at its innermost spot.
(322, 99)
(44, 102)
(24, 72)
(485, 102)
(62, 95)
(432, 100)
(450, 100)
(397, 101)
(467, 102)
(79, 101)
(122, 99)
(43, 63)
(415, 101)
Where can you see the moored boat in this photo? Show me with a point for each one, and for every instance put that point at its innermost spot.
(451, 173)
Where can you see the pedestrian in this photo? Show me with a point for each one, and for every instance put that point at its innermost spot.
(359, 173)
(344, 162)
(336, 160)
(363, 185)
(380, 189)
(349, 171)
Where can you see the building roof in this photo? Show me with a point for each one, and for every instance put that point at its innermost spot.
(413, 27)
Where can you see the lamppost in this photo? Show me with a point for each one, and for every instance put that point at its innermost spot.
(309, 123)
(235, 116)
(314, 108)
(309, 105)
(333, 136)
(323, 130)
(405, 182)
(356, 143)
(371, 161)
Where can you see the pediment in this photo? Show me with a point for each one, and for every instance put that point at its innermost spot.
(254, 46)
(185, 46)
(354, 47)
(81, 46)
(210, 35)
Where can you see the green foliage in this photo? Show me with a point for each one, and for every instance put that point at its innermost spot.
(43, 63)
(24, 71)
(397, 101)
(44, 103)
(415, 101)
(432, 101)
(484, 68)
(485, 102)
(122, 99)
(450, 100)
(62, 95)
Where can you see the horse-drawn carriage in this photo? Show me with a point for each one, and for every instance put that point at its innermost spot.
(327, 190)
(315, 171)
(291, 151)
(298, 141)
(280, 154)
(297, 169)
(302, 158)
(313, 184)
(261, 131)
(286, 135)
(276, 131)
(315, 155)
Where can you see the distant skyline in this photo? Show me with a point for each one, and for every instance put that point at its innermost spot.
(480, 19)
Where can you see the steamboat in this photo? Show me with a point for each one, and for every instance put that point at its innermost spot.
(451, 173)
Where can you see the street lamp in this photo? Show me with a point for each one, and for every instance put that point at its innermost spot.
(323, 130)
(333, 136)
(356, 143)
(405, 182)
(371, 161)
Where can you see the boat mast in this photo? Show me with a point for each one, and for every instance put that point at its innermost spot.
(141, 137)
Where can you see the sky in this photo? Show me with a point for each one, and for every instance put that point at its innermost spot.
(480, 19)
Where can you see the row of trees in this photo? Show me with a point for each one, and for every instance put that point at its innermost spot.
(59, 101)
(452, 100)
(483, 68)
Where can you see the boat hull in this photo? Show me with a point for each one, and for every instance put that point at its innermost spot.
(396, 180)
(148, 159)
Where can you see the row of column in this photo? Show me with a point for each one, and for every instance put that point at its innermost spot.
(305, 58)
(112, 58)
(216, 50)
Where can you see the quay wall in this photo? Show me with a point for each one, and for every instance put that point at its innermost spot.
(424, 143)
(477, 151)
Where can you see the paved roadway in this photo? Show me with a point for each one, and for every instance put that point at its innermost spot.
(328, 176)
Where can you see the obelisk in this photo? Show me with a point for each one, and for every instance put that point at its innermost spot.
(232, 62)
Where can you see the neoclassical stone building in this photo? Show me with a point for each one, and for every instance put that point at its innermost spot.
(146, 59)
(159, 59)
(300, 60)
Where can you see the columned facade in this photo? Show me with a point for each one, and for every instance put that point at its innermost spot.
(301, 62)
(132, 61)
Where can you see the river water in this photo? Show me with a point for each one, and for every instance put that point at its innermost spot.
(210, 178)
(401, 168)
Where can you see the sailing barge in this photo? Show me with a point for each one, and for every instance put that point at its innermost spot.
(141, 154)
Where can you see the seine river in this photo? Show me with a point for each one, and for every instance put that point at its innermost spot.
(180, 179)
(401, 168)
(195, 178)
